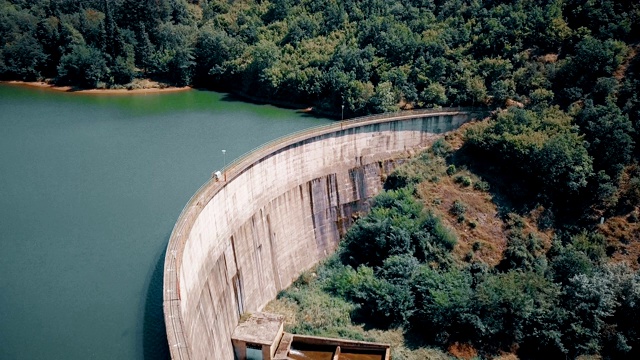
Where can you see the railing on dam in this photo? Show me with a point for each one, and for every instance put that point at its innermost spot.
(176, 331)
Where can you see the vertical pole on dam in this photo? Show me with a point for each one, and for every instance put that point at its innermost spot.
(224, 156)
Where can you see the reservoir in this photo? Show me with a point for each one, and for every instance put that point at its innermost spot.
(90, 188)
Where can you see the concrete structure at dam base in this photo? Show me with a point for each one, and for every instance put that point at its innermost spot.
(261, 337)
(282, 209)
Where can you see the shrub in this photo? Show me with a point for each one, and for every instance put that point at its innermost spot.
(396, 180)
(441, 148)
(451, 169)
(381, 302)
(481, 186)
(458, 208)
(523, 252)
(444, 300)
(515, 305)
(439, 233)
(319, 310)
(462, 180)
(468, 256)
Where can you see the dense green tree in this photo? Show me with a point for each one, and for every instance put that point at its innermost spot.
(385, 98)
(590, 301)
(84, 66)
(444, 305)
(434, 95)
(564, 164)
(48, 35)
(523, 253)
(520, 308)
(69, 37)
(569, 263)
(609, 135)
(541, 146)
(627, 338)
(123, 69)
(606, 18)
(215, 50)
(397, 225)
(22, 58)
(174, 58)
(592, 60)
(381, 234)
(144, 49)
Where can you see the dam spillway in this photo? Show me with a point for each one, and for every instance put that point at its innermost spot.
(276, 212)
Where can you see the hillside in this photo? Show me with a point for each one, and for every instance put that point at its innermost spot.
(450, 264)
(371, 56)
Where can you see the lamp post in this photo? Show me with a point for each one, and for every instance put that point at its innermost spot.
(342, 112)
(224, 156)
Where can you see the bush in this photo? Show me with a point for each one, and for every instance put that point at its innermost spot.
(319, 310)
(441, 148)
(381, 302)
(523, 252)
(458, 208)
(462, 180)
(440, 234)
(444, 301)
(396, 180)
(451, 169)
(519, 308)
(481, 186)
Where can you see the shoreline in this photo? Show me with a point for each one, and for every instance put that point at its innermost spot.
(71, 89)
(299, 107)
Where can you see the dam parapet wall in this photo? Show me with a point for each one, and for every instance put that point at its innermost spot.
(276, 212)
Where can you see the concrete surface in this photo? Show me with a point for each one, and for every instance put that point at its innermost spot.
(282, 209)
(261, 329)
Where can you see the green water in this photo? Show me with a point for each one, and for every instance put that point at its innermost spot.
(90, 187)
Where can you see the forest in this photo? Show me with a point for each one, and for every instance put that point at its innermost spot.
(556, 164)
(370, 55)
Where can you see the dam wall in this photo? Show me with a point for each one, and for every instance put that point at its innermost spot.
(275, 213)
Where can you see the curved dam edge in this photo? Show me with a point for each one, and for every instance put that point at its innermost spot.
(281, 209)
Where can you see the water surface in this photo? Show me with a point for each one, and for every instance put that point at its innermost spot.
(90, 187)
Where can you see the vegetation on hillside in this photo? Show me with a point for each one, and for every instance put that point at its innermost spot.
(370, 55)
(455, 261)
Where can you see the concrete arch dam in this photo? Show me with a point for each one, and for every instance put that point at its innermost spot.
(281, 209)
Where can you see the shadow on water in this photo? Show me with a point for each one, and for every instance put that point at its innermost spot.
(154, 335)
(299, 108)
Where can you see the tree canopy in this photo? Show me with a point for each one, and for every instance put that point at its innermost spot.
(368, 55)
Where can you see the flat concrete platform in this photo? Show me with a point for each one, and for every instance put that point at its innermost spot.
(259, 328)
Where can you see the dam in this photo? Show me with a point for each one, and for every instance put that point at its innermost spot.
(274, 213)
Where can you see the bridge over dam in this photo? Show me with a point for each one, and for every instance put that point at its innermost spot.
(274, 213)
